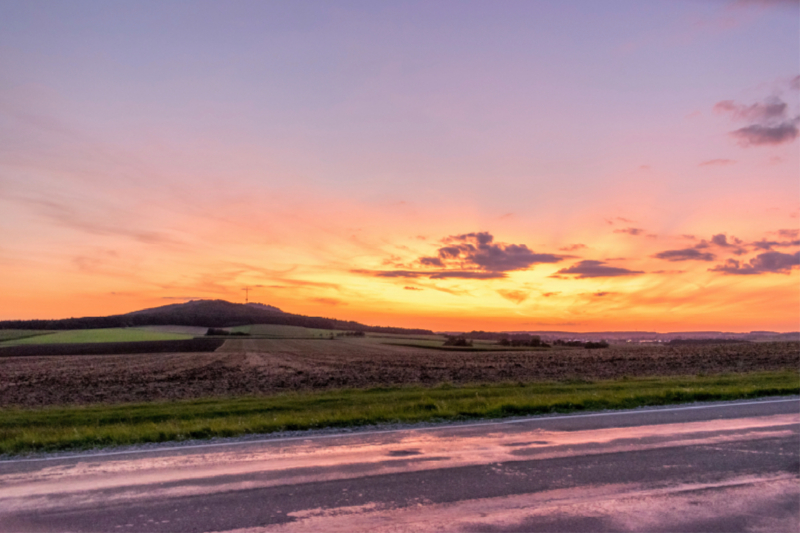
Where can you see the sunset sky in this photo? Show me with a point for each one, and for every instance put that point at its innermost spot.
(515, 165)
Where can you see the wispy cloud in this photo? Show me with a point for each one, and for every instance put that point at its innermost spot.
(685, 254)
(554, 323)
(596, 269)
(758, 112)
(758, 134)
(770, 122)
(514, 296)
(630, 231)
(764, 244)
(696, 253)
(329, 301)
(282, 277)
(614, 220)
(67, 217)
(716, 163)
(468, 274)
(431, 274)
(765, 3)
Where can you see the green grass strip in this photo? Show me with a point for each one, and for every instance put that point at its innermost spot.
(17, 334)
(49, 429)
(98, 335)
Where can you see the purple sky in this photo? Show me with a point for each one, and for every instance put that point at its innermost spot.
(146, 147)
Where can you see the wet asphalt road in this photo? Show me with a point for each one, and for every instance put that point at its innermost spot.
(715, 467)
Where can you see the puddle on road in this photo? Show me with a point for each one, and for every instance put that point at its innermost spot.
(624, 507)
(283, 463)
(403, 453)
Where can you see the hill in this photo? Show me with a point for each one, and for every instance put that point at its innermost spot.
(204, 313)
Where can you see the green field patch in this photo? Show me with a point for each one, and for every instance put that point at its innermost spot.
(17, 334)
(26, 430)
(99, 335)
(277, 331)
(194, 331)
(399, 336)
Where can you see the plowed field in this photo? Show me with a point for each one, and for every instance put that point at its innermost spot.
(265, 366)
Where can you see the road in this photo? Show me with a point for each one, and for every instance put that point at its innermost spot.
(705, 467)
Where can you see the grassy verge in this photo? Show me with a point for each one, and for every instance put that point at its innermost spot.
(25, 430)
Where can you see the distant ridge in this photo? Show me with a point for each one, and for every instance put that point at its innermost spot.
(207, 314)
(196, 308)
(637, 336)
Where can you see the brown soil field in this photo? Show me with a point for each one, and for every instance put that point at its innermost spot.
(199, 344)
(267, 366)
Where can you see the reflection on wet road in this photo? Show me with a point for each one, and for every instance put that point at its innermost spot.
(728, 467)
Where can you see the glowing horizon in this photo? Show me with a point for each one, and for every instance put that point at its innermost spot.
(448, 166)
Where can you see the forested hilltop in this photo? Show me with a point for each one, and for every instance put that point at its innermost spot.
(204, 313)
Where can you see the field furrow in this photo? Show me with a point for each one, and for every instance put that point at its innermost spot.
(268, 366)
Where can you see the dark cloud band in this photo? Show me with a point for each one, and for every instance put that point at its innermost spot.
(766, 263)
(471, 256)
(686, 254)
(596, 269)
